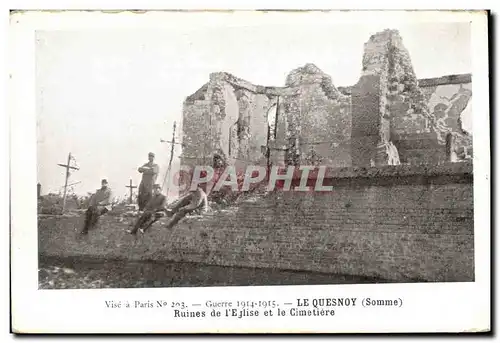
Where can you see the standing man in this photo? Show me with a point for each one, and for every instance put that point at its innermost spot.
(99, 204)
(154, 210)
(149, 173)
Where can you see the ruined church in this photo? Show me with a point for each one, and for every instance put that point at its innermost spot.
(388, 117)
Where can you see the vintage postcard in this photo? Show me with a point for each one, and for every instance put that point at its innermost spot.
(249, 171)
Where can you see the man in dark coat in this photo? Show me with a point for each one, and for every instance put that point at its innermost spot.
(154, 210)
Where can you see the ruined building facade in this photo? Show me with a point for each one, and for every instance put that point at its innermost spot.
(389, 117)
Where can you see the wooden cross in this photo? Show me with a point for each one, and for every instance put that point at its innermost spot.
(68, 167)
(131, 190)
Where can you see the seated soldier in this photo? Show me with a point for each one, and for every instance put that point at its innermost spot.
(193, 201)
(99, 204)
(154, 210)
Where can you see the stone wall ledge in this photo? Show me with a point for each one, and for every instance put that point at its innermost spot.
(346, 90)
(257, 89)
(445, 80)
(458, 169)
(461, 172)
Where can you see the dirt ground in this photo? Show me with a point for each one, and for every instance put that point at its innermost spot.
(77, 273)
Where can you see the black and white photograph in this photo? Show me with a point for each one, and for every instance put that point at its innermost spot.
(225, 150)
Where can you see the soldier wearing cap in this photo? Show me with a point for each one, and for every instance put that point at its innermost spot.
(154, 210)
(149, 172)
(99, 204)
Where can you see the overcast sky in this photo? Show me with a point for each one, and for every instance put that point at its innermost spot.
(108, 97)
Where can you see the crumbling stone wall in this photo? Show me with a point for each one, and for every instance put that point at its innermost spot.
(366, 121)
(196, 129)
(227, 117)
(389, 117)
(372, 99)
(396, 103)
(411, 124)
(449, 99)
(406, 104)
(314, 123)
(319, 117)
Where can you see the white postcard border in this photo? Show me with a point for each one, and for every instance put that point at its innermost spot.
(437, 307)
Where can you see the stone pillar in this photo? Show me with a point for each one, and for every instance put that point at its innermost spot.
(243, 130)
(217, 112)
(293, 113)
(38, 190)
(372, 105)
(366, 131)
